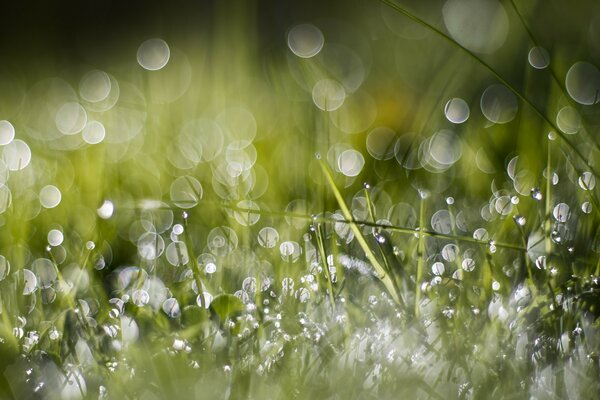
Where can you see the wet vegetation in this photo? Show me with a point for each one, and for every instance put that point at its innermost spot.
(364, 199)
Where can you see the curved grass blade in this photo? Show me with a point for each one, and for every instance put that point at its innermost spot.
(379, 269)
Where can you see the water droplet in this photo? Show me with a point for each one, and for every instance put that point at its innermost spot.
(438, 268)
(586, 207)
(520, 220)
(536, 194)
(450, 200)
(106, 210)
(561, 212)
(468, 264)
(587, 181)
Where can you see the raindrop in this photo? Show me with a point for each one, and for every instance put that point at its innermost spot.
(140, 297)
(29, 282)
(456, 110)
(520, 220)
(586, 207)
(449, 252)
(305, 40)
(438, 268)
(561, 212)
(153, 54)
(536, 194)
(468, 264)
(106, 210)
(587, 181)
(171, 307)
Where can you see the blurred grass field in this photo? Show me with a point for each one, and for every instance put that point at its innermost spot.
(246, 199)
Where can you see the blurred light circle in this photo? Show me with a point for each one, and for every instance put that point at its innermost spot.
(153, 54)
(538, 57)
(479, 25)
(5, 198)
(55, 237)
(350, 162)
(441, 222)
(70, 118)
(381, 143)
(328, 94)
(50, 196)
(305, 40)
(177, 254)
(356, 115)
(106, 210)
(445, 147)
(268, 237)
(456, 110)
(186, 192)
(29, 282)
(583, 83)
(150, 246)
(94, 86)
(222, 240)
(7, 132)
(568, 120)
(94, 132)
(249, 215)
(587, 181)
(498, 104)
(45, 272)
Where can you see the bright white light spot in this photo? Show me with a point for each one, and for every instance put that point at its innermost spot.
(106, 210)
(55, 237)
